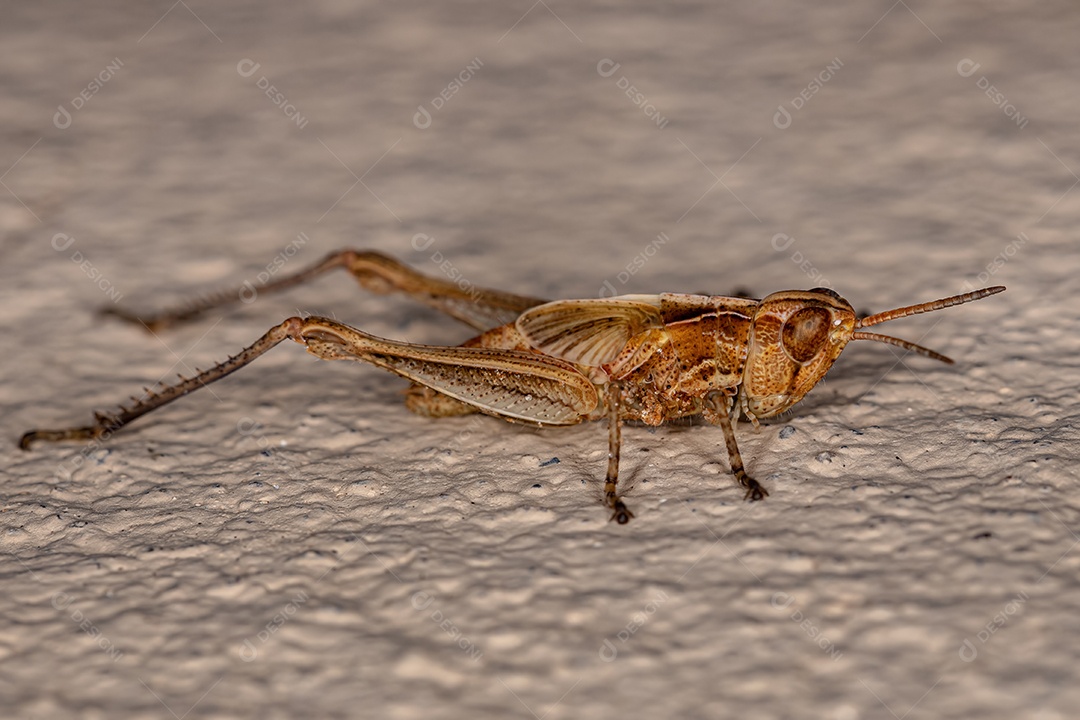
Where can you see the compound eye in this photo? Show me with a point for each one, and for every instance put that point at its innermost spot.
(827, 291)
(805, 333)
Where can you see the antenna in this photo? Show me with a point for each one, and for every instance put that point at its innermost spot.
(916, 310)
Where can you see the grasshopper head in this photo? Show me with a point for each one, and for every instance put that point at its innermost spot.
(795, 337)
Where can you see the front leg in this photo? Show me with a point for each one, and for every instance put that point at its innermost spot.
(620, 512)
(718, 412)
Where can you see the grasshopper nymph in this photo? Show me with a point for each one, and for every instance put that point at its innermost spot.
(648, 358)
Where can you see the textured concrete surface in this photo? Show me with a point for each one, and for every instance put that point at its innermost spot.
(293, 543)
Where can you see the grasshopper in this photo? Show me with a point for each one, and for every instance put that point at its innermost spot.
(647, 358)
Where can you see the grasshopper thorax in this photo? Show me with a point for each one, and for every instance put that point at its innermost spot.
(795, 337)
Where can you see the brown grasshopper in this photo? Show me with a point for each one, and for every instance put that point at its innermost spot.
(648, 358)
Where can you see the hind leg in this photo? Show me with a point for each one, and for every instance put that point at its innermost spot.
(521, 386)
(480, 308)
(422, 400)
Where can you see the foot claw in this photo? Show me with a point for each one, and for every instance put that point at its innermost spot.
(754, 490)
(621, 514)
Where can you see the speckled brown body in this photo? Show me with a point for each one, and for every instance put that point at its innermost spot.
(665, 371)
(688, 346)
